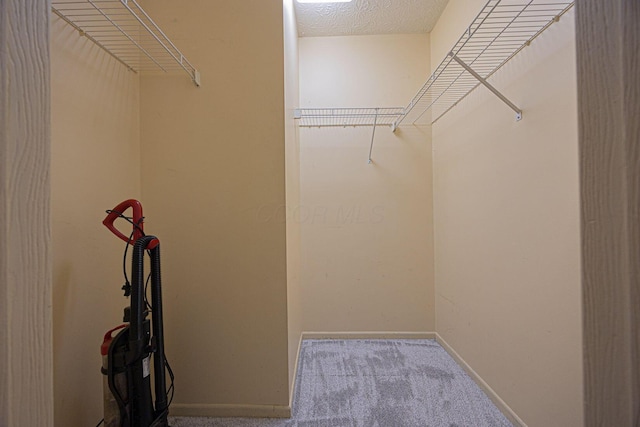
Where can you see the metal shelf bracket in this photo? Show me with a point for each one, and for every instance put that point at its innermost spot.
(489, 86)
(373, 135)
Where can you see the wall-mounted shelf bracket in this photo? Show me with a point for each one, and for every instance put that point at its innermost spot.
(373, 135)
(488, 85)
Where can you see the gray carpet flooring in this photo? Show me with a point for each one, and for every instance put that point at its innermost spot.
(368, 383)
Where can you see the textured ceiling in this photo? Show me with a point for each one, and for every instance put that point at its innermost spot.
(361, 17)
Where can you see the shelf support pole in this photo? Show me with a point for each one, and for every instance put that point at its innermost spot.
(495, 91)
(373, 135)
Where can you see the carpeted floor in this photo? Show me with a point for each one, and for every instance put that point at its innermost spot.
(386, 383)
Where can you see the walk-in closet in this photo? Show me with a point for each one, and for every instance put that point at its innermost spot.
(372, 212)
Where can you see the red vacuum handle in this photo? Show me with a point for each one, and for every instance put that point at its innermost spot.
(137, 220)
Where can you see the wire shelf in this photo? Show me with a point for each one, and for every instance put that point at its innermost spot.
(125, 31)
(501, 30)
(343, 117)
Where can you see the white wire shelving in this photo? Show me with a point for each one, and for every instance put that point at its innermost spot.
(343, 117)
(501, 30)
(348, 117)
(126, 32)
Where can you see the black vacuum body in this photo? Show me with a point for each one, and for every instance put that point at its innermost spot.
(136, 354)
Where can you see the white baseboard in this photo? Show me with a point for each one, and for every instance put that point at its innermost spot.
(501, 404)
(226, 411)
(292, 386)
(368, 336)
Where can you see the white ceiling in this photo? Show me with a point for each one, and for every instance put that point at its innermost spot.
(362, 17)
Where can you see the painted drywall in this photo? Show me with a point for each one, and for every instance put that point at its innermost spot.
(507, 236)
(367, 262)
(213, 169)
(292, 142)
(95, 165)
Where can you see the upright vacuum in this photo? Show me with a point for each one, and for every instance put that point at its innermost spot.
(136, 353)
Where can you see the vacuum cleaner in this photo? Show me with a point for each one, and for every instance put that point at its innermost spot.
(134, 358)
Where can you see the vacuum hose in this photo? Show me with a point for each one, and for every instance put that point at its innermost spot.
(137, 337)
(127, 364)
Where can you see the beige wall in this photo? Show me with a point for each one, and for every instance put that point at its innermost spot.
(507, 242)
(213, 163)
(292, 141)
(95, 165)
(366, 228)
